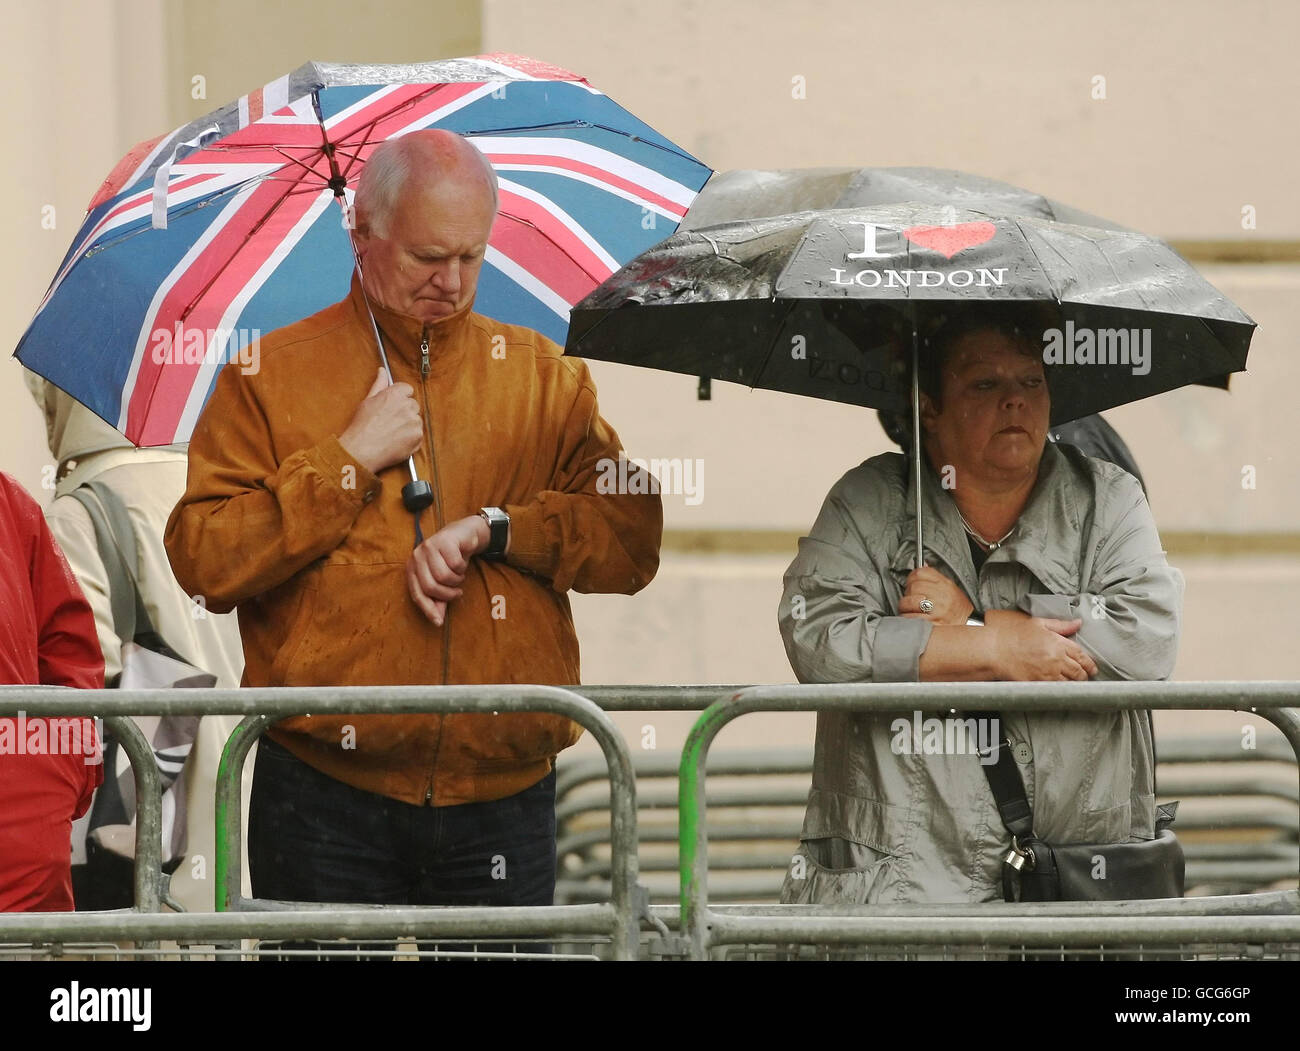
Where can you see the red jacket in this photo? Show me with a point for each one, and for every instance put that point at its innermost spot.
(49, 768)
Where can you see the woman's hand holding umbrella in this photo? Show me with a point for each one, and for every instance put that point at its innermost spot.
(929, 595)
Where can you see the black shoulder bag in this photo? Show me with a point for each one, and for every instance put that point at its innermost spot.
(1034, 870)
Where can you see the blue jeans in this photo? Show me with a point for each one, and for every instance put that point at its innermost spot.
(314, 838)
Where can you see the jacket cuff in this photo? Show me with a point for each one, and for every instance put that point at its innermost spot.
(529, 547)
(356, 484)
(896, 652)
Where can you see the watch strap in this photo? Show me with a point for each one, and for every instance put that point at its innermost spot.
(498, 533)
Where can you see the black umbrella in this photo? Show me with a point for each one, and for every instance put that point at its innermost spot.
(823, 302)
(748, 192)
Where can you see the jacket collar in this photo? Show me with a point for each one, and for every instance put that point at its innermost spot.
(403, 333)
(1046, 533)
(91, 466)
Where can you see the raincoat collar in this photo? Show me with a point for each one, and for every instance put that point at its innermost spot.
(91, 466)
(1044, 542)
(403, 333)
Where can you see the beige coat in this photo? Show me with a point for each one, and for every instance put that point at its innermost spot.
(149, 482)
(887, 827)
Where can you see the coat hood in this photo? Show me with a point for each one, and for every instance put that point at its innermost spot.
(71, 429)
(74, 433)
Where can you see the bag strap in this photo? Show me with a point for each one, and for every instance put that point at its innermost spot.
(115, 540)
(1007, 785)
(1008, 789)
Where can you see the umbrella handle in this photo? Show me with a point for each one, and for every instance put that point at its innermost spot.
(417, 494)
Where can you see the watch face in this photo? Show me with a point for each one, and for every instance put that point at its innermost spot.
(498, 526)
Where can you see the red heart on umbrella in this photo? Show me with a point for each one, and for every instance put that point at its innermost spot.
(949, 240)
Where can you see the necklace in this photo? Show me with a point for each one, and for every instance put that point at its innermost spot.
(992, 545)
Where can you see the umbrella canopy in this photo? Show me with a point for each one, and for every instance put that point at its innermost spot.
(832, 300)
(227, 228)
(821, 303)
(749, 192)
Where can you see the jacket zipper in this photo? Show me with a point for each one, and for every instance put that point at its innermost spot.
(439, 522)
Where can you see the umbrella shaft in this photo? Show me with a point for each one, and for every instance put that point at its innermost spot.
(916, 439)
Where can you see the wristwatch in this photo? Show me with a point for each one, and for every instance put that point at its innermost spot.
(975, 620)
(499, 533)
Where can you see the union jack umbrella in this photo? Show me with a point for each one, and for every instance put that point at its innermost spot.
(228, 228)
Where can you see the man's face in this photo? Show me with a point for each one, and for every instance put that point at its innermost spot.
(428, 265)
(995, 408)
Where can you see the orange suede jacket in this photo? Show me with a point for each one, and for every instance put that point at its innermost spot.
(278, 521)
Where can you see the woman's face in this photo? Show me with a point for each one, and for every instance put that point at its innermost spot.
(995, 412)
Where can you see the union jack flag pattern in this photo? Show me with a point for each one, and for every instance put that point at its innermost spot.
(228, 228)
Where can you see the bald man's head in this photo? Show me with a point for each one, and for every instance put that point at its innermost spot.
(424, 212)
(415, 161)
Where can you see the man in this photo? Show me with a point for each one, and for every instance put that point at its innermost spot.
(49, 768)
(294, 515)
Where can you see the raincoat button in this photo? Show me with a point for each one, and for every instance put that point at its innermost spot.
(368, 497)
(1022, 752)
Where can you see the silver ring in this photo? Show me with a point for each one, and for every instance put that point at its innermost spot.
(927, 606)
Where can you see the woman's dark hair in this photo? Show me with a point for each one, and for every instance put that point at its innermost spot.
(1021, 323)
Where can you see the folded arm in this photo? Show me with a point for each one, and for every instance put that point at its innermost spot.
(834, 617)
(1131, 620)
(837, 625)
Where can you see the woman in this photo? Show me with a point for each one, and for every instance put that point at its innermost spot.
(1058, 556)
(47, 636)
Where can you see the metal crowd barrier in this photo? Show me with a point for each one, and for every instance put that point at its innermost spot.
(1256, 924)
(1262, 924)
(1238, 823)
(617, 922)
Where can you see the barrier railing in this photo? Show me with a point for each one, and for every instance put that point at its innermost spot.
(620, 919)
(1259, 917)
(1031, 925)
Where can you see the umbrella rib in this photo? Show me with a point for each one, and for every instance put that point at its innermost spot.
(181, 210)
(355, 157)
(252, 232)
(775, 335)
(143, 226)
(275, 176)
(1039, 260)
(542, 233)
(294, 160)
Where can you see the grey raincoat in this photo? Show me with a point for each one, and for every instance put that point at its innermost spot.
(884, 827)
